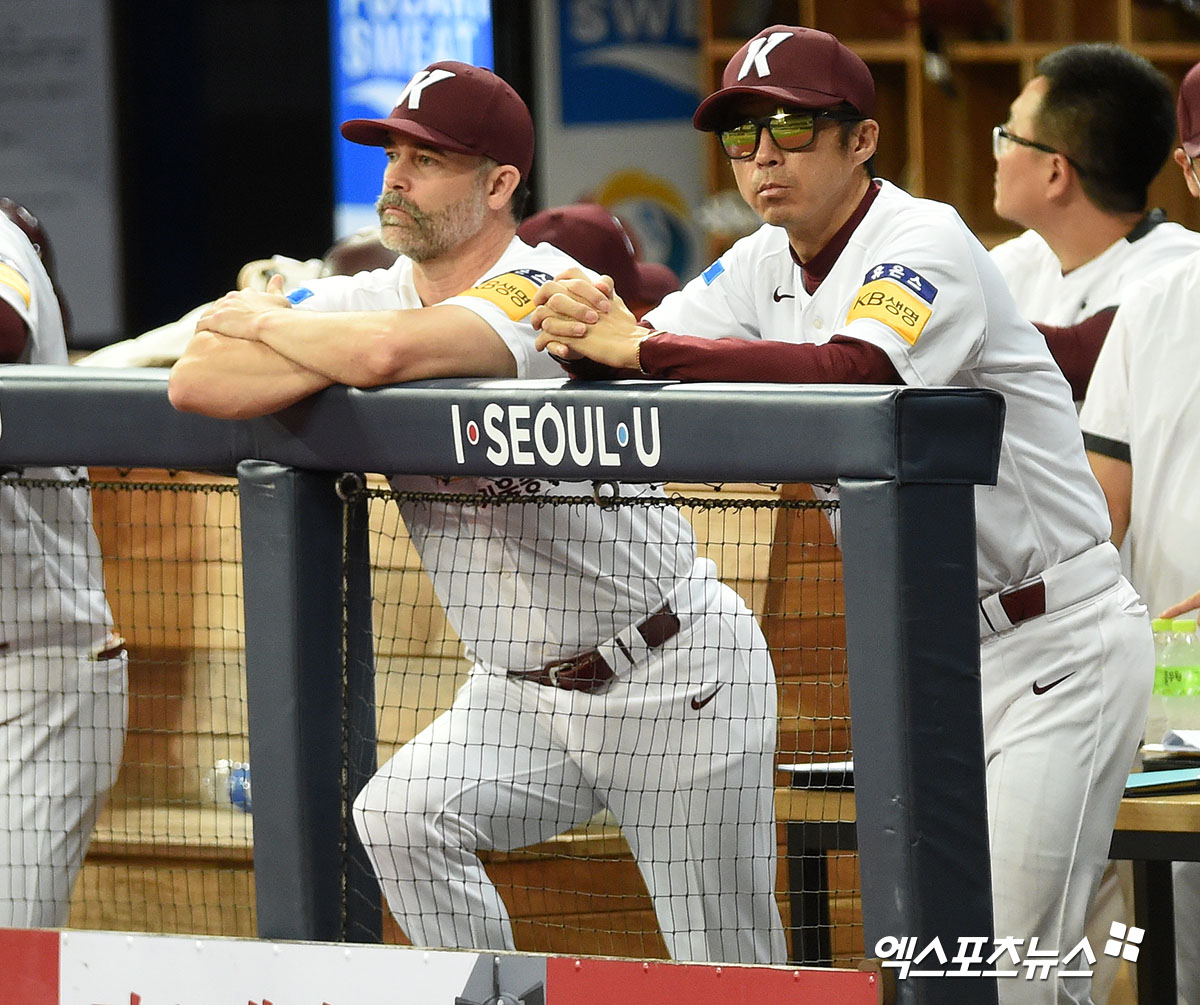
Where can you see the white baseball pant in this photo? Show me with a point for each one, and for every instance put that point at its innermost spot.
(62, 732)
(512, 763)
(1057, 762)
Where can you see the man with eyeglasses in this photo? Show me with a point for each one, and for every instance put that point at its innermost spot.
(852, 280)
(1083, 141)
(1141, 427)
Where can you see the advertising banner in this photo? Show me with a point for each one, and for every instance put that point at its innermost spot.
(111, 968)
(619, 81)
(376, 46)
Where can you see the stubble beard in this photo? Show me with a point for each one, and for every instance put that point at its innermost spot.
(424, 236)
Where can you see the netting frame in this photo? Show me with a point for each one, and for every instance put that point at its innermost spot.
(906, 461)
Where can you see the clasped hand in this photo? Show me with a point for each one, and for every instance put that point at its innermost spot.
(236, 314)
(577, 316)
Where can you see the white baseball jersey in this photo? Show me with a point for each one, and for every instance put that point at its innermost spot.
(513, 762)
(1144, 402)
(62, 710)
(913, 281)
(524, 585)
(1043, 294)
(1143, 406)
(1057, 689)
(52, 591)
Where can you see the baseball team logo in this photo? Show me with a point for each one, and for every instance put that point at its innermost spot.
(411, 95)
(756, 55)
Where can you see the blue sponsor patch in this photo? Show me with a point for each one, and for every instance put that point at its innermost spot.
(710, 274)
(535, 276)
(906, 277)
(303, 293)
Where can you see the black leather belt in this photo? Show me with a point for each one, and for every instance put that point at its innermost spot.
(590, 671)
(1021, 603)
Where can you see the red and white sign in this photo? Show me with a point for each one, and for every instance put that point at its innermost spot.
(107, 968)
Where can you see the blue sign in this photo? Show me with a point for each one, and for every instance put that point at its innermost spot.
(377, 46)
(628, 60)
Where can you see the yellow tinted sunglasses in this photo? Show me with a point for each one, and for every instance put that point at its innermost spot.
(789, 130)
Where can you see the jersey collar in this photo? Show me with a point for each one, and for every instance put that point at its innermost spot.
(819, 265)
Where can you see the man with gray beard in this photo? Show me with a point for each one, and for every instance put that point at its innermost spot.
(611, 667)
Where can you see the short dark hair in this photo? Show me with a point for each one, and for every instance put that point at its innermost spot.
(847, 127)
(518, 202)
(1113, 113)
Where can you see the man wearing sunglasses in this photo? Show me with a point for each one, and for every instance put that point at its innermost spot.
(852, 280)
(1083, 141)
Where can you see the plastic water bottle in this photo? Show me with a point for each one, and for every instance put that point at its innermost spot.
(1183, 676)
(1156, 718)
(228, 784)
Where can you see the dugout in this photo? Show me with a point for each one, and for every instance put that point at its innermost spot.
(906, 461)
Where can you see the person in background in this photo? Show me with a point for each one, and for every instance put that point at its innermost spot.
(611, 667)
(162, 346)
(63, 707)
(1141, 428)
(851, 280)
(1083, 141)
(1191, 603)
(596, 238)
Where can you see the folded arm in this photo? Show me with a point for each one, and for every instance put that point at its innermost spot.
(231, 378)
(577, 317)
(253, 355)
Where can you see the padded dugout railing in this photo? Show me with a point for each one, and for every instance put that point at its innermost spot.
(906, 461)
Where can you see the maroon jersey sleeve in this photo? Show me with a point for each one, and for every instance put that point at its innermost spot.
(841, 360)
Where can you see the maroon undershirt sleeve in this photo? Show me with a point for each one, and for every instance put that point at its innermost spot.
(841, 360)
(13, 334)
(1075, 347)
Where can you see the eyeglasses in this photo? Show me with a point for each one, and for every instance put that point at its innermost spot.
(1001, 137)
(790, 131)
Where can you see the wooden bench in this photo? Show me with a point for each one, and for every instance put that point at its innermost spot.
(161, 861)
(190, 870)
(168, 868)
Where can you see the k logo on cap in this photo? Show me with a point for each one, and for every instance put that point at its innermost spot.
(798, 67)
(756, 54)
(459, 107)
(411, 95)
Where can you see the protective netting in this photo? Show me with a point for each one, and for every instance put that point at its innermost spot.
(172, 850)
(567, 881)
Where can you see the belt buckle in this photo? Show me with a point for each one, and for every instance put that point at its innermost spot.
(114, 646)
(552, 671)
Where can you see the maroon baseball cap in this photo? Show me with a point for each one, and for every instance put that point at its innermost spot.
(795, 66)
(457, 107)
(1187, 112)
(591, 235)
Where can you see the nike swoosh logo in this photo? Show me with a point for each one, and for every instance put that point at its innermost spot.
(698, 702)
(777, 296)
(1040, 689)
